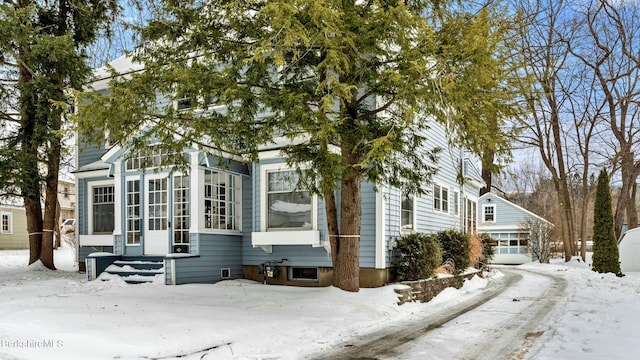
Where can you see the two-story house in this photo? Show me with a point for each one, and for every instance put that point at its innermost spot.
(244, 220)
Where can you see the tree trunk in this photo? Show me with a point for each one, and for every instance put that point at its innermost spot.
(50, 204)
(33, 212)
(562, 187)
(30, 177)
(487, 163)
(585, 213)
(56, 229)
(334, 232)
(347, 267)
(627, 169)
(632, 210)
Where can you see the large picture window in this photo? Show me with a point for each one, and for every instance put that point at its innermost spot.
(287, 206)
(103, 207)
(222, 200)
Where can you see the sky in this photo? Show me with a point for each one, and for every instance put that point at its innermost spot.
(59, 315)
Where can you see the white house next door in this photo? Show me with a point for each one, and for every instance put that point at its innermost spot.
(156, 240)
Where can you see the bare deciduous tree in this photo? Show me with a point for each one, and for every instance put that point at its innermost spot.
(540, 238)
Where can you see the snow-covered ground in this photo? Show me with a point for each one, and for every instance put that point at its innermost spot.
(59, 315)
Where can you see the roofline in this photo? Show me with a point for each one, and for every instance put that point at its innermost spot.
(516, 206)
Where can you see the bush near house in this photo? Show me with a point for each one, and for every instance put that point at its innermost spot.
(481, 250)
(456, 245)
(417, 256)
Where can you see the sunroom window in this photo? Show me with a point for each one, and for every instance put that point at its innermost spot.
(222, 200)
(287, 206)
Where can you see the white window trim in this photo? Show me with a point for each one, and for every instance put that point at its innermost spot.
(484, 219)
(200, 204)
(90, 187)
(10, 216)
(442, 187)
(414, 216)
(264, 170)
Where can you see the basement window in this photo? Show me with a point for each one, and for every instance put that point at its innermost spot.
(297, 273)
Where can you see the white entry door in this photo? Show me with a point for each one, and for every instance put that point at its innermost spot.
(156, 240)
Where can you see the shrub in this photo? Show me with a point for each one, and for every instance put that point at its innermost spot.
(605, 246)
(488, 251)
(455, 245)
(476, 253)
(417, 256)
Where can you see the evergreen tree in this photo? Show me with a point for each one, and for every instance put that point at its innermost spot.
(351, 85)
(605, 246)
(42, 56)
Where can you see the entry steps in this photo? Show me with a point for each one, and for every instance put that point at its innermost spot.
(136, 270)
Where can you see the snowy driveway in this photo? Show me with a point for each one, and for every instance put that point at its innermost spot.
(502, 323)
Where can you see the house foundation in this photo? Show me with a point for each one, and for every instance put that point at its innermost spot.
(369, 278)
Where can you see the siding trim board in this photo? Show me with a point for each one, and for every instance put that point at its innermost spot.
(380, 238)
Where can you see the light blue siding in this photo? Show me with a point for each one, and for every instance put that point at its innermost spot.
(507, 214)
(89, 153)
(216, 252)
(506, 229)
(368, 226)
(428, 218)
(296, 255)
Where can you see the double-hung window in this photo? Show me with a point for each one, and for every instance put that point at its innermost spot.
(103, 209)
(5, 223)
(489, 213)
(287, 206)
(440, 198)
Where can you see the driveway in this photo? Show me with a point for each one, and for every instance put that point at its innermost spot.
(502, 323)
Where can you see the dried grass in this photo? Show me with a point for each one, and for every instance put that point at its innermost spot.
(448, 267)
(476, 255)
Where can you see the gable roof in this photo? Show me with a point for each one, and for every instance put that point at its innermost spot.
(520, 208)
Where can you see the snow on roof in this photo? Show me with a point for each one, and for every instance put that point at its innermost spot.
(121, 65)
(498, 197)
(96, 165)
